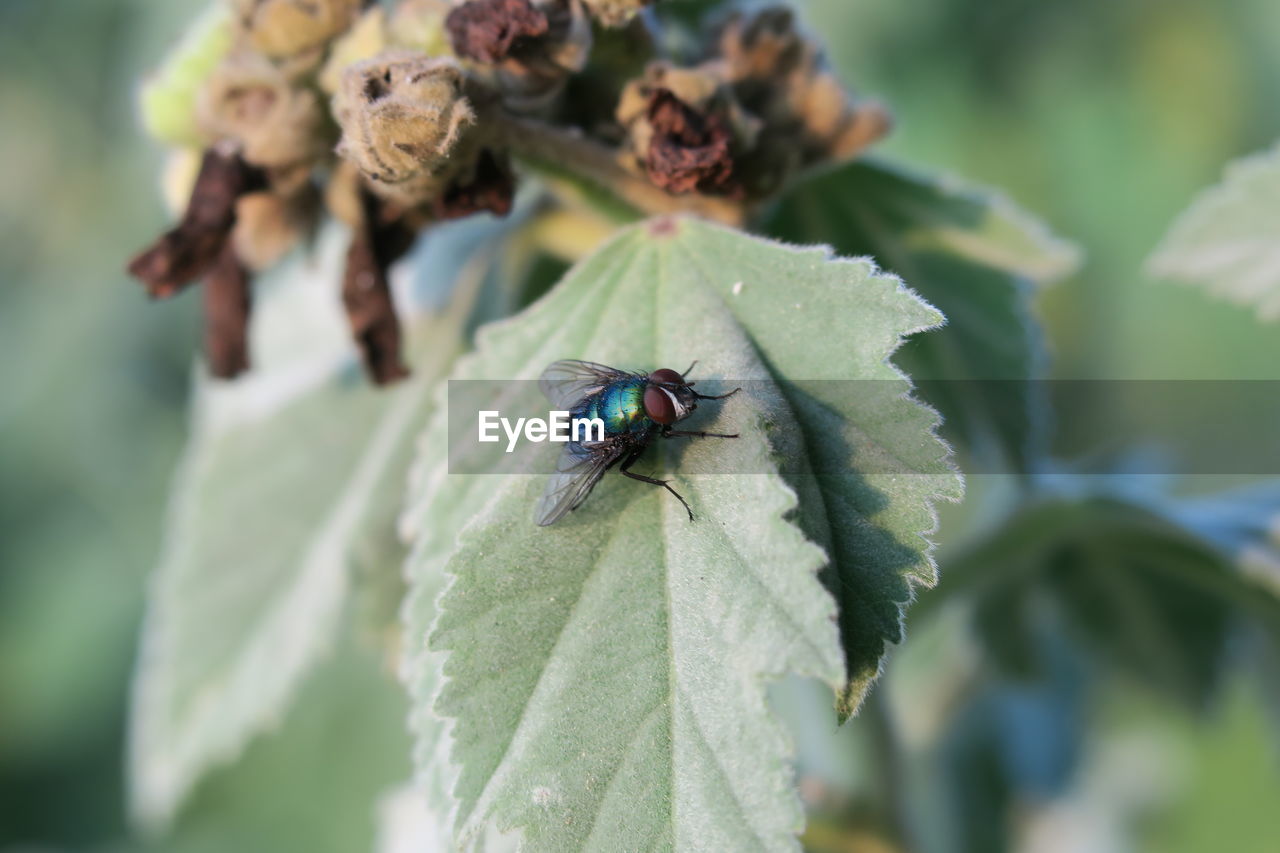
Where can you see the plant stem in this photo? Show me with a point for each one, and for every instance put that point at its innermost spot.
(568, 152)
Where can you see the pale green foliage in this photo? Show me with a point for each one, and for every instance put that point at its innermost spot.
(1227, 240)
(605, 675)
(292, 475)
(167, 99)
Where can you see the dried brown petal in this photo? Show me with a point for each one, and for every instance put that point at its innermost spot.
(366, 293)
(404, 120)
(185, 253)
(528, 49)
(490, 188)
(227, 302)
(492, 30)
(689, 151)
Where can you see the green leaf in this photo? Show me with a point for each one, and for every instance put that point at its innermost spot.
(1226, 241)
(292, 479)
(605, 675)
(970, 253)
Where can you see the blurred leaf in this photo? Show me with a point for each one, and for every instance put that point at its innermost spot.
(1245, 523)
(967, 251)
(408, 824)
(674, 648)
(1011, 741)
(294, 474)
(1226, 241)
(313, 784)
(1147, 593)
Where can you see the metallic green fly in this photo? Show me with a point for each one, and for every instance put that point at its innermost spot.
(635, 407)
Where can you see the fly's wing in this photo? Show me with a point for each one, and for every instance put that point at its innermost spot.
(567, 383)
(578, 469)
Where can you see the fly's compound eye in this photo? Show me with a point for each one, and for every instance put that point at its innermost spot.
(658, 404)
(666, 376)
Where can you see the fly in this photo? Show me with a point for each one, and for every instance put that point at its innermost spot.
(635, 407)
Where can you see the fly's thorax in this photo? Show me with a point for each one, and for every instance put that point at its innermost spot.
(620, 406)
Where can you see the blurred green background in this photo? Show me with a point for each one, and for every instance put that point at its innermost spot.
(1102, 116)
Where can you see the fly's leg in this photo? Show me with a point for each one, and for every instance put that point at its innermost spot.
(682, 433)
(717, 396)
(626, 469)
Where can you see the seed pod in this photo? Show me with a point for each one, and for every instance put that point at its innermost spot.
(287, 29)
(407, 124)
(276, 123)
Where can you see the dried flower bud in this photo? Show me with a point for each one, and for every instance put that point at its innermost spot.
(533, 45)
(188, 251)
(615, 13)
(284, 29)
(493, 30)
(405, 120)
(270, 224)
(276, 123)
(685, 130)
